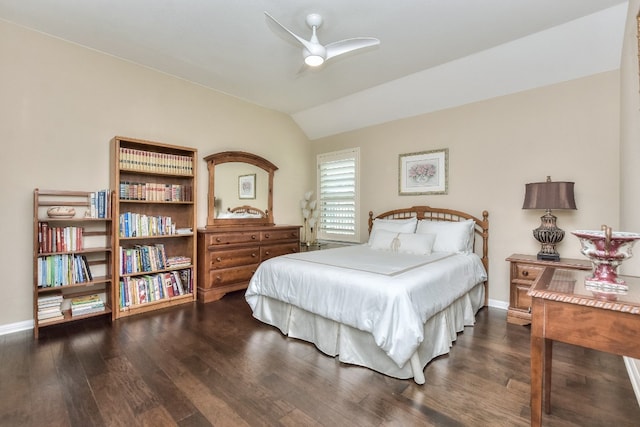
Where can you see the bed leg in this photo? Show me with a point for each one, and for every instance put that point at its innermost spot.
(416, 368)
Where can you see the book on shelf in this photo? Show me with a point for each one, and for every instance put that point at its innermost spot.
(178, 261)
(86, 304)
(132, 224)
(63, 270)
(154, 287)
(151, 161)
(59, 239)
(99, 204)
(49, 308)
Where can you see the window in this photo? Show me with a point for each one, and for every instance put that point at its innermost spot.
(338, 195)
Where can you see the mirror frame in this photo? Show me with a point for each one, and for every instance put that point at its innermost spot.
(241, 157)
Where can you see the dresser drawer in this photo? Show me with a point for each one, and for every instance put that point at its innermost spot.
(275, 235)
(230, 275)
(271, 251)
(234, 257)
(231, 238)
(527, 272)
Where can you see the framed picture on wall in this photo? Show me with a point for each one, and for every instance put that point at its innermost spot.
(247, 186)
(425, 172)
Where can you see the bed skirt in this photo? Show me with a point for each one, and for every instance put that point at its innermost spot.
(357, 347)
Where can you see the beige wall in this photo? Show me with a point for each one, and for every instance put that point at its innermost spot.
(630, 136)
(60, 105)
(569, 131)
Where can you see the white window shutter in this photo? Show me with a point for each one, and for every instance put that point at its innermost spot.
(338, 195)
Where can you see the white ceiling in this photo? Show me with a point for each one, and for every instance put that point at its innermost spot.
(433, 54)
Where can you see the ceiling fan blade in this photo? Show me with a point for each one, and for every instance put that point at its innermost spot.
(306, 43)
(349, 45)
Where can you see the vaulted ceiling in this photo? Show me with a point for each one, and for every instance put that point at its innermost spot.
(433, 54)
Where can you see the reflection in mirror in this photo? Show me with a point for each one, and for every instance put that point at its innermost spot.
(228, 193)
(240, 189)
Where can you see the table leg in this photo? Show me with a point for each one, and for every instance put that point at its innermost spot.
(548, 349)
(538, 354)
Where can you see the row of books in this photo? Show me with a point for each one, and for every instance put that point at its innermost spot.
(131, 224)
(59, 239)
(63, 270)
(155, 192)
(142, 258)
(150, 161)
(49, 308)
(86, 305)
(154, 287)
(99, 204)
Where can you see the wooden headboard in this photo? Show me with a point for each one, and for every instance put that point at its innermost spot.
(437, 214)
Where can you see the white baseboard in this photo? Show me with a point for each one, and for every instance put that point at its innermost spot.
(504, 305)
(16, 327)
(633, 368)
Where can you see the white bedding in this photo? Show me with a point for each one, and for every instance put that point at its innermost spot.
(389, 295)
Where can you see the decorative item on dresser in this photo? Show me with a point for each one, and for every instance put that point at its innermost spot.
(238, 237)
(549, 195)
(524, 270)
(156, 211)
(72, 256)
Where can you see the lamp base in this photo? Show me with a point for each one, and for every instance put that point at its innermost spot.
(549, 236)
(548, 257)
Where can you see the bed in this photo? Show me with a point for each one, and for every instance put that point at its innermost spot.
(418, 281)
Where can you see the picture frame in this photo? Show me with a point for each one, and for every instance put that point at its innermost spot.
(425, 172)
(247, 186)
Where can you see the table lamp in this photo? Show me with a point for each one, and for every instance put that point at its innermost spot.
(549, 195)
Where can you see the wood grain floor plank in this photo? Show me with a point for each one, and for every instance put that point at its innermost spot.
(214, 365)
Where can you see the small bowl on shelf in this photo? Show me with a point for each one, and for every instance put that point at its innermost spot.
(61, 212)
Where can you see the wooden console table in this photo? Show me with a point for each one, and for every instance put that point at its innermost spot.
(564, 310)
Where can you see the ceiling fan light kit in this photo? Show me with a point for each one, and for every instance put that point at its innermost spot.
(313, 52)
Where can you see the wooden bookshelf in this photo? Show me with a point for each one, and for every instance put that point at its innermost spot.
(155, 225)
(72, 255)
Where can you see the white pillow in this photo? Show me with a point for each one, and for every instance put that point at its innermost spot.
(408, 243)
(450, 236)
(397, 225)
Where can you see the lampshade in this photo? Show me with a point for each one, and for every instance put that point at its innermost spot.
(549, 195)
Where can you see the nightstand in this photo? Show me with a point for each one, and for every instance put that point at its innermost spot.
(525, 269)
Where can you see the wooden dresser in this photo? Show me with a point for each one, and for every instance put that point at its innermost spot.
(229, 255)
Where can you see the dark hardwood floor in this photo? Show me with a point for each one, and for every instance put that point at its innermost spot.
(216, 365)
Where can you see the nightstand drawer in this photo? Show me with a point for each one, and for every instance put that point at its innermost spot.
(527, 272)
(522, 298)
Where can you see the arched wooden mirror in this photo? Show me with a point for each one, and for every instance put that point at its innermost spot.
(240, 189)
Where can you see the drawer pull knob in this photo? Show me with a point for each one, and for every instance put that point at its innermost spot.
(218, 240)
(254, 254)
(218, 259)
(525, 273)
(266, 236)
(267, 253)
(253, 237)
(218, 279)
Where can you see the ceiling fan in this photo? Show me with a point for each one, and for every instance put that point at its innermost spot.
(316, 54)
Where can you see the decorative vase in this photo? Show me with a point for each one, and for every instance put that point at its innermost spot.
(606, 250)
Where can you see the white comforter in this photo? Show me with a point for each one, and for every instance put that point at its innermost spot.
(388, 294)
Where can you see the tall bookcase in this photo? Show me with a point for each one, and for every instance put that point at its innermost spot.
(72, 256)
(154, 237)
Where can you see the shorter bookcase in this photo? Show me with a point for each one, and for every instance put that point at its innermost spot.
(72, 256)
